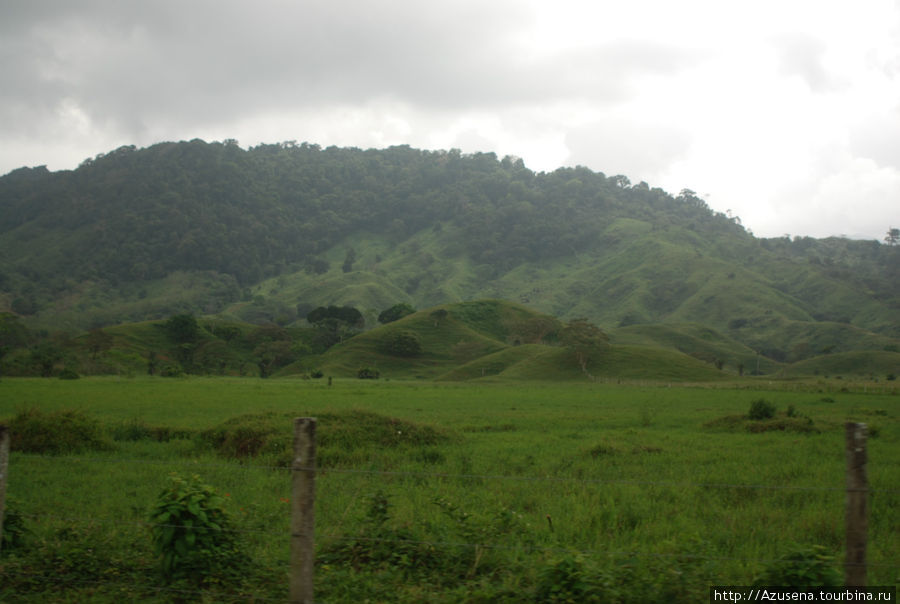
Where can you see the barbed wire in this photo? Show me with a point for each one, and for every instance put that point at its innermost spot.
(432, 543)
(323, 471)
(76, 583)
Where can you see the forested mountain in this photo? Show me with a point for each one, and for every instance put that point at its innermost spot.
(268, 233)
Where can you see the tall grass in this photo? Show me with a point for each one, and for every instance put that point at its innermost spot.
(628, 479)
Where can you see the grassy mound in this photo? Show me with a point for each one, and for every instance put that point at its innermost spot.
(780, 422)
(270, 435)
(56, 433)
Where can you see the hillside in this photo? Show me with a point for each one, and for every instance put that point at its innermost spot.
(267, 234)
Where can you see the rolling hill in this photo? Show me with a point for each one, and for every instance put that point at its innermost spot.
(265, 235)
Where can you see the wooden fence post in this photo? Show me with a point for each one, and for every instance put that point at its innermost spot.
(857, 501)
(4, 464)
(303, 477)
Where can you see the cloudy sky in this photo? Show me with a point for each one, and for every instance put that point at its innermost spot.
(786, 113)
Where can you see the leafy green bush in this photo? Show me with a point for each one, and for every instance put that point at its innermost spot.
(761, 409)
(809, 566)
(567, 580)
(192, 533)
(367, 373)
(56, 433)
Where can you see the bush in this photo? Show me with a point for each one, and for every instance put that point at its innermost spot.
(338, 434)
(804, 567)
(566, 580)
(56, 433)
(14, 529)
(761, 409)
(192, 533)
(401, 344)
(68, 374)
(367, 373)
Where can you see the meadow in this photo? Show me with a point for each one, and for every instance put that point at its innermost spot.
(450, 492)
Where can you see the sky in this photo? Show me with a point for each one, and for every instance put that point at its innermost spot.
(784, 113)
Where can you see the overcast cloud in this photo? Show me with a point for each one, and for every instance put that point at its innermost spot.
(786, 113)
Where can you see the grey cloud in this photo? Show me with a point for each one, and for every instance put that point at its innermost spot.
(640, 151)
(133, 65)
(802, 55)
(879, 140)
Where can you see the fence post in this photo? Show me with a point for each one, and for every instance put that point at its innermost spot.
(4, 464)
(303, 477)
(857, 495)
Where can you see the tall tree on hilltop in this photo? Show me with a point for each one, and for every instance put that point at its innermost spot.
(586, 341)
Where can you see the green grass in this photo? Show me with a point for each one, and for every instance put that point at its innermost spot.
(633, 477)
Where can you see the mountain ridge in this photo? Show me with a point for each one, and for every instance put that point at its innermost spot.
(268, 233)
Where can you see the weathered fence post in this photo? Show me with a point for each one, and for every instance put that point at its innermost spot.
(857, 501)
(4, 464)
(303, 486)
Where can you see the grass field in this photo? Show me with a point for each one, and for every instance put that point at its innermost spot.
(487, 492)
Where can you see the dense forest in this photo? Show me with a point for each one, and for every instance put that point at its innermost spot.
(133, 215)
(268, 233)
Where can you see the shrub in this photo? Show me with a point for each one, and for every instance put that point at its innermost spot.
(761, 409)
(367, 373)
(192, 533)
(56, 433)
(68, 374)
(401, 344)
(14, 529)
(380, 545)
(804, 567)
(566, 580)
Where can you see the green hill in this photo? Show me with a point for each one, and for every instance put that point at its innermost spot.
(498, 339)
(858, 364)
(267, 234)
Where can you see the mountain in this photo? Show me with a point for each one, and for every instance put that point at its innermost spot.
(267, 234)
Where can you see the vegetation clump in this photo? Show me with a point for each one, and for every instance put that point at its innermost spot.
(337, 435)
(761, 409)
(56, 433)
(367, 373)
(810, 566)
(395, 313)
(401, 344)
(192, 533)
(14, 530)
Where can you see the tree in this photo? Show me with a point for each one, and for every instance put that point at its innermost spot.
(12, 334)
(347, 314)
(183, 329)
(273, 355)
(98, 341)
(438, 315)
(401, 344)
(349, 259)
(585, 340)
(44, 356)
(893, 237)
(395, 312)
(533, 330)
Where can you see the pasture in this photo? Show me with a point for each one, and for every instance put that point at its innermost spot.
(487, 492)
